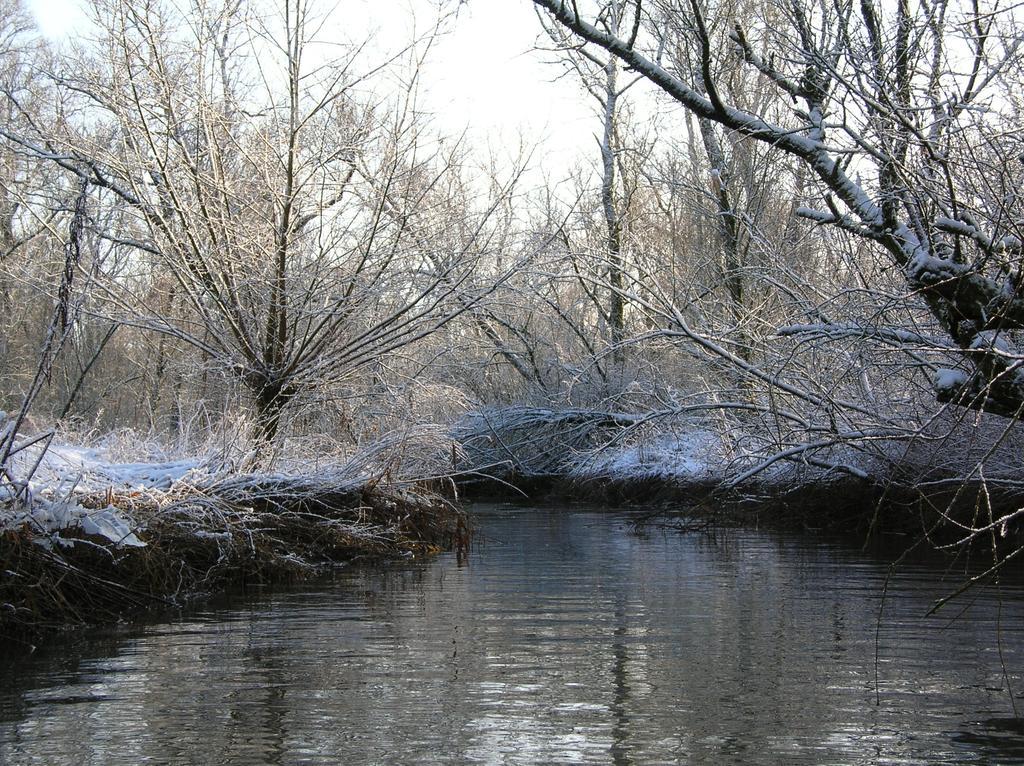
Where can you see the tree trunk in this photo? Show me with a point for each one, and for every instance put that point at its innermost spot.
(613, 222)
(269, 401)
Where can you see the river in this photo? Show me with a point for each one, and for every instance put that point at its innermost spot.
(566, 637)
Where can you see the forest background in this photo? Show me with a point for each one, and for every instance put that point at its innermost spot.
(789, 253)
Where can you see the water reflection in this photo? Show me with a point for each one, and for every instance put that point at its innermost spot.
(565, 640)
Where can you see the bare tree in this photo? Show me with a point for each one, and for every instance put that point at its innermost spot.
(602, 78)
(255, 173)
(887, 110)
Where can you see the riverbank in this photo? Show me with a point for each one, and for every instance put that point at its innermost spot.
(105, 555)
(96, 540)
(953, 482)
(944, 512)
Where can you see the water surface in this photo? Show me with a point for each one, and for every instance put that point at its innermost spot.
(565, 638)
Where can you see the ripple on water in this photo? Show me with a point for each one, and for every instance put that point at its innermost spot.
(565, 640)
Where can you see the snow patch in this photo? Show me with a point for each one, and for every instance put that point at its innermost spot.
(992, 340)
(148, 475)
(64, 470)
(91, 469)
(1009, 242)
(946, 379)
(686, 456)
(51, 518)
(924, 268)
(109, 524)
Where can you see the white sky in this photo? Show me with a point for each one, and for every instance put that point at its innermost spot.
(483, 75)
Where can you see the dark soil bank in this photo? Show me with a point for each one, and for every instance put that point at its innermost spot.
(942, 512)
(197, 542)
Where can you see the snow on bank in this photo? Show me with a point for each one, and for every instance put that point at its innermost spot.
(57, 474)
(691, 456)
(88, 469)
(704, 455)
(49, 519)
(64, 477)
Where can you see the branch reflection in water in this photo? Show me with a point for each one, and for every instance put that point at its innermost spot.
(565, 638)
